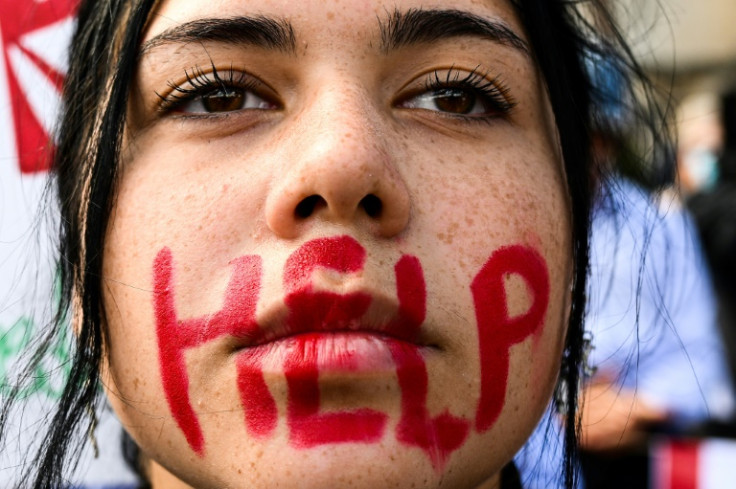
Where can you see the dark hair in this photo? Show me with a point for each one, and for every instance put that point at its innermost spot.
(563, 35)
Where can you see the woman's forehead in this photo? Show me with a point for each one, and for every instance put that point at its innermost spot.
(310, 20)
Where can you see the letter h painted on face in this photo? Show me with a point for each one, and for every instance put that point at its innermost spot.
(237, 317)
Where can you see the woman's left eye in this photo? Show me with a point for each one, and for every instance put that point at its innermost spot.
(471, 95)
(450, 100)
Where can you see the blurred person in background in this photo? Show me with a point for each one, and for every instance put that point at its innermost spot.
(700, 140)
(656, 362)
(714, 209)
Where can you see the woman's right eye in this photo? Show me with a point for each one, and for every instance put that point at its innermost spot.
(223, 100)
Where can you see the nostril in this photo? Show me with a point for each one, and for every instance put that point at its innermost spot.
(309, 205)
(372, 205)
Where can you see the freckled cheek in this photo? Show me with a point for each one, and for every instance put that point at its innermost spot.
(547, 348)
(528, 392)
(193, 198)
(534, 365)
(470, 208)
(130, 373)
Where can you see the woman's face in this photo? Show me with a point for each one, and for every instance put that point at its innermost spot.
(339, 251)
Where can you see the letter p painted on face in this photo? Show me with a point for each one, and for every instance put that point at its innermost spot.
(497, 332)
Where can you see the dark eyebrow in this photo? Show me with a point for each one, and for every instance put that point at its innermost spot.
(418, 26)
(260, 31)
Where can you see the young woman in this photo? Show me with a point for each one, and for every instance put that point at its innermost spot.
(311, 244)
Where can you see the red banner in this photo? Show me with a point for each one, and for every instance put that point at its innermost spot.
(34, 35)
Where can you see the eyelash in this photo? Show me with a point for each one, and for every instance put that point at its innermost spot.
(198, 84)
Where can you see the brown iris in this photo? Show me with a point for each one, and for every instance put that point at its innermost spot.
(454, 100)
(223, 100)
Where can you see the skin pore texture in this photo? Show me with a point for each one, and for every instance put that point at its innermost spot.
(339, 250)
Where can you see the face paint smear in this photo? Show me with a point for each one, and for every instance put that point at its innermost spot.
(497, 332)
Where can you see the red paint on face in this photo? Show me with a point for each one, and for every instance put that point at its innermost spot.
(319, 311)
(259, 406)
(443, 434)
(314, 314)
(308, 311)
(438, 436)
(412, 294)
(308, 427)
(313, 311)
(237, 318)
(342, 254)
(497, 332)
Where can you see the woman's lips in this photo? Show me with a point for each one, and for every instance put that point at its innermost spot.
(329, 352)
(351, 332)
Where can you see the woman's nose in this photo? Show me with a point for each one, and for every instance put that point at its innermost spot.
(340, 170)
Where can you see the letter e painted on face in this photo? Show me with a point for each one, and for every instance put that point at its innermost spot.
(311, 310)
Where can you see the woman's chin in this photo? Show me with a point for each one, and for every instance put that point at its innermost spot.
(277, 464)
